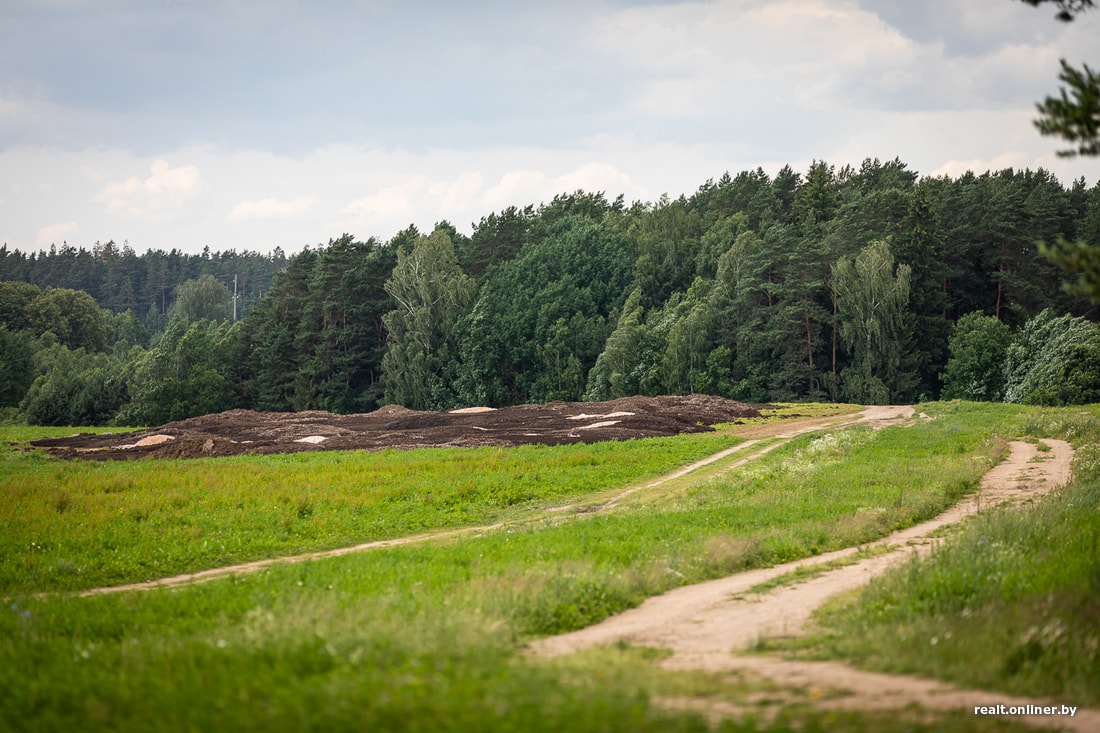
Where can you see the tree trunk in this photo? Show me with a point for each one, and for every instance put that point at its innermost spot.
(833, 388)
(809, 348)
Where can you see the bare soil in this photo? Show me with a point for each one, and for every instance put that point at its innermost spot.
(239, 432)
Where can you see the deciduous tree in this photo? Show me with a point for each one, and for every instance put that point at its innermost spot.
(431, 294)
(976, 368)
(872, 296)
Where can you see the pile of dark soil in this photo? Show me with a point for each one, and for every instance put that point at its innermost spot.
(239, 432)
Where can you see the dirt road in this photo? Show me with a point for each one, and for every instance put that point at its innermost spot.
(706, 625)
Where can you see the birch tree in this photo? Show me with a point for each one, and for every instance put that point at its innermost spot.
(432, 293)
(872, 297)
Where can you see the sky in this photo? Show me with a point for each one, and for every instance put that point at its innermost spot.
(255, 124)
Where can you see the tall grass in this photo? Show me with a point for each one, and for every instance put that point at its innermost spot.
(1011, 603)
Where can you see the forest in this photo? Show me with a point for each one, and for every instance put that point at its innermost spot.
(869, 285)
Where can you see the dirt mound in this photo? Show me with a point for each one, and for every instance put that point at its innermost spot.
(237, 432)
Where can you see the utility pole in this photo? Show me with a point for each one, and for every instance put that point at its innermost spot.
(234, 297)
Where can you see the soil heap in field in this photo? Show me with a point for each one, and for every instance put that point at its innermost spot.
(248, 432)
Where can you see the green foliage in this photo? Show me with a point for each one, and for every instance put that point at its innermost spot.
(271, 334)
(716, 378)
(512, 341)
(817, 196)
(204, 298)
(975, 370)
(618, 369)
(70, 315)
(342, 328)
(744, 265)
(317, 340)
(119, 279)
(743, 277)
(1054, 361)
(690, 338)
(497, 238)
(128, 331)
(1075, 120)
(1074, 116)
(14, 299)
(187, 373)
(1080, 259)
(16, 365)
(871, 298)
(920, 242)
(666, 239)
(431, 294)
(76, 387)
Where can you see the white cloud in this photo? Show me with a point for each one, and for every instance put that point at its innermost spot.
(395, 201)
(12, 110)
(165, 191)
(520, 187)
(713, 57)
(20, 113)
(273, 209)
(956, 168)
(403, 199)
(55, 234)
(734, 60)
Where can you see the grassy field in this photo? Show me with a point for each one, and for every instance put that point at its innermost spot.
(71, 525)
(430, 636)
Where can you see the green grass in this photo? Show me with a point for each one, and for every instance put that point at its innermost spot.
(815, 570)
(1010, 603)
(801, 410)
(75, 524)
(430, 636)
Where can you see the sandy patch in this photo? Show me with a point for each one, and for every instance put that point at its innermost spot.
(585, 416)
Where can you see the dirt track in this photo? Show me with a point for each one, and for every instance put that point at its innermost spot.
(239, 432)
(705, 625)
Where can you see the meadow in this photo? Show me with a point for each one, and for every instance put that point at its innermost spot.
(431, 636)
(70, 525)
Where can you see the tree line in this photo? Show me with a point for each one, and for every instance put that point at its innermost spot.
(865, 284)
(120, 279)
